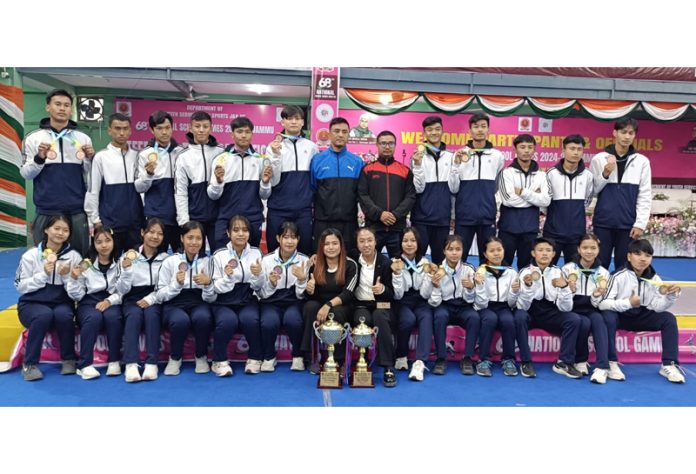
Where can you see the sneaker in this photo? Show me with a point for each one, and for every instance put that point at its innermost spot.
(483, 368)
(417, 370)
(401, 363)
(566, 369)
(297, 364)
(527, 369)
(173, 367)
(389, 379)
(114, 368)
(440, 367)
(599, 375)
(202, 365)
(132, 373)
(615, 372)
(583, 368)
(315, 368)
(150, 372)
(88, 373)
(268, 365)
(252, 366)
(467, 366)
(509, 368)
(31, 373)
(673, 373)
(222, 369)
(68, 367)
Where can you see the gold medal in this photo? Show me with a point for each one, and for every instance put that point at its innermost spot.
(152, 157)
(573, 277)
(441, 271)
(481, 270)
(80, 155)
(131, 255)
(220, 160)
(85, 264)
(536, 275)
(398, 263)
(663, 289)
(51, 154)
(421, 148)
(601, 282)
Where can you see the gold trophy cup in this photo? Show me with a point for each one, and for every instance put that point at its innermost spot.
(330, 333)
(361, 337)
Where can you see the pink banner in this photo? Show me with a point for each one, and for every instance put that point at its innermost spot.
(324, 103)
(663, 143)
(632, 347)
(265, 117)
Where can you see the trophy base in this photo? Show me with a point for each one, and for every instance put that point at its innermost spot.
(361, 380)
(329, 380)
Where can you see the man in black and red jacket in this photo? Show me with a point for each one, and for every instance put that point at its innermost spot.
(386, 194)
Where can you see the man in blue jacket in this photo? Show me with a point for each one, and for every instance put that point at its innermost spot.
(334, 179)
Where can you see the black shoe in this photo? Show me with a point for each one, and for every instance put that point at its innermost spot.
(440, 367)
(568, 370)
(527, 369)
(389, 379)
(467, 366)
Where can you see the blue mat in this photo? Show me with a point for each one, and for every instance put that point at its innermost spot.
(284, 388)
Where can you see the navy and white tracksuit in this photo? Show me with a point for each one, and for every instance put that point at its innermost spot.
(518, 226)
(651, 315)
(292, 196)
(193, 169)
(571, 194)
(544, 306)
(495, 308)
(474, 185)
(411, 305)
(186, 306)
(59, 184)
(240, 192)
(585, 304)
(94, 285)
(236, 304)
(623, 202)
(112, 198)
(282, 304)
(137, 282)
(454, 304)
(44, 302)
(432, 212)
(158, 189)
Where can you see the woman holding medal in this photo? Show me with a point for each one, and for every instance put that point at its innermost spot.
(588, 282)
(453, 289)
(332, 280)
(638, 300)
(141, 310)
(41, 279)
(185, 288)
(502, 287)
(236, 276)
(412, 304)
(282, 296)
(93, 286)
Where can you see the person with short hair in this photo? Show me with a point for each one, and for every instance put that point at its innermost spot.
(193, 169)
(623, 184)
(638, 300)
(156, 175)
(58, 158)
(386, 194)
(111, 189)
(240, 179)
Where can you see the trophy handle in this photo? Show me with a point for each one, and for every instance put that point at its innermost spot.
(316, 325)
(346, 332)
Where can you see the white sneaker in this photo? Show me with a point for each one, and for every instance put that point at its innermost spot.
(150, 372)
(222, 369)
(297, 364)
(114, 368)
(673, 373)
(583, 368)
(173, 367)
(252, 366)
(401, 363)
(417, 371)
(202, 365)
(615, 372)
(268, 365)
(132, 373)
(88, 373)
(599, 375)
